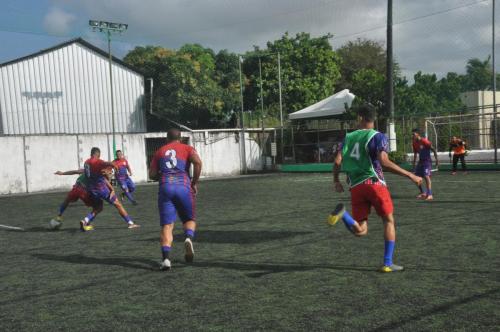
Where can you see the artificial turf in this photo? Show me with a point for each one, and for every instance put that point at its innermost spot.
(265, 260)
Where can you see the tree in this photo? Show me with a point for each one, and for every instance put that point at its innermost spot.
(185, 89)
(309, 69)
(361, 54)
(478, 75)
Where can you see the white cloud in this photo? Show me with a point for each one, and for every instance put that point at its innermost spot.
(440, 40)
(58, 22)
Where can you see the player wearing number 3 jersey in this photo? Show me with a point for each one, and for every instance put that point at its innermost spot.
(363, 155)
(177, 192)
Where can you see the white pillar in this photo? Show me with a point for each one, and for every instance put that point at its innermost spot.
(391, 131)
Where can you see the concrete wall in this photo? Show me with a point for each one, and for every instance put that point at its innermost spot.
(29, 162)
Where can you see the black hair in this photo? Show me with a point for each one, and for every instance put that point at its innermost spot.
(173, 134)
(94, 150)
(416, 130)
(367, 113)
(118, 151)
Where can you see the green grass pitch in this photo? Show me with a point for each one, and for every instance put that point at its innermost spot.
(265, 260)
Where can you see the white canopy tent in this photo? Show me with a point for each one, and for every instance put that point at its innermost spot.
(333, 105)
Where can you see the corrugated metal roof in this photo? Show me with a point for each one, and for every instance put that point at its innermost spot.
(78, 40)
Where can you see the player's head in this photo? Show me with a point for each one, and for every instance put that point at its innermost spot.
(119, 154)
(454, 138)
(416, 133)
(173, 134)
(95, 152)
(366, 115)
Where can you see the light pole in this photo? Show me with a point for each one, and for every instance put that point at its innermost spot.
(494, 85)
(242, 125)
(108, 28)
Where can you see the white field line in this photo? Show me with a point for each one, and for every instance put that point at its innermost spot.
(12, 227)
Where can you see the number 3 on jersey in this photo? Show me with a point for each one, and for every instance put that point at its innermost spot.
(355, 152)
(171, 159)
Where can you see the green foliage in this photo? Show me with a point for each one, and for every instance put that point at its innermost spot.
(361, 54)
(309, 69)
(398, 157)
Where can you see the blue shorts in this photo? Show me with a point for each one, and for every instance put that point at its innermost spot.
(176, 199)
(100, 194)
(126, 184)
(423, 169)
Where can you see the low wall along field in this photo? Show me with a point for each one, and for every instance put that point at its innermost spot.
(29, 162)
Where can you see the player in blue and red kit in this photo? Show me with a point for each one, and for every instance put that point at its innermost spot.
(98, 189)
(123, 175)
(423, 147)
(177, 192)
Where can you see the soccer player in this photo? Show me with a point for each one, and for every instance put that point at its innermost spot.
(99, 190)
(177, 193)
(123, 175)
(423, 147)
(362, 157)
(458, 146)
(79, 191)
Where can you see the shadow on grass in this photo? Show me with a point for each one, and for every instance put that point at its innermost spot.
(48, 230)
(397, 325)
(238, 237)
(263, 269)
(131, 263)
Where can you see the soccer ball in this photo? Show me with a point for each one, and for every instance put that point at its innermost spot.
(54, 224)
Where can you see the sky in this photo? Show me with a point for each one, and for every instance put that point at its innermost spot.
(433, 36)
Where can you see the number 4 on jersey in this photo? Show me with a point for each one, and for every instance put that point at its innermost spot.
(355, 152)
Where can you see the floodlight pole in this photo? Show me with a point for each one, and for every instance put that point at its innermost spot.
(494, 85)
(243, 152)
(108, 28)
(108, 33)
(389, 74)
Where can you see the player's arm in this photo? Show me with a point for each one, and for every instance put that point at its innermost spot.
(153, 168)
(129, 169)
(393, 168)
(195, 159)
(108, 184)
(451, 148)
(74, 172)
(337, 163)
(414, 158)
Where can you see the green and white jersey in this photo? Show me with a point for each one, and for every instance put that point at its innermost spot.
(356, 160)
(82, 180)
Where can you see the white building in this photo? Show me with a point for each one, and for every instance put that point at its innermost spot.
(65, 89)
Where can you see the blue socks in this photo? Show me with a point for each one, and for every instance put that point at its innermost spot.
(127, 219)
(429, 192)
(129, 196)
(348, 221)
(388, 252)
(62, 208)
(89, 217)
(165, 251)
(189, 233)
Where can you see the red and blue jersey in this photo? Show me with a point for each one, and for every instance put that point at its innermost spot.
(172, 163)
(94, 172)
(423, 148)
(122, 165)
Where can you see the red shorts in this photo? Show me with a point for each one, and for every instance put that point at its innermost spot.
(78, 192)
(364, 196)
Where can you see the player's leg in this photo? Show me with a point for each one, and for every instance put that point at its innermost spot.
(71, 197)
(128, 187)
(86, 223)
(380, 197)
(167, 219)
(419, 171)
(389, 244)
(357, 223)
(462, 161)
(428, 184)
(185, 202)
(121, 210)
(455, 163)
